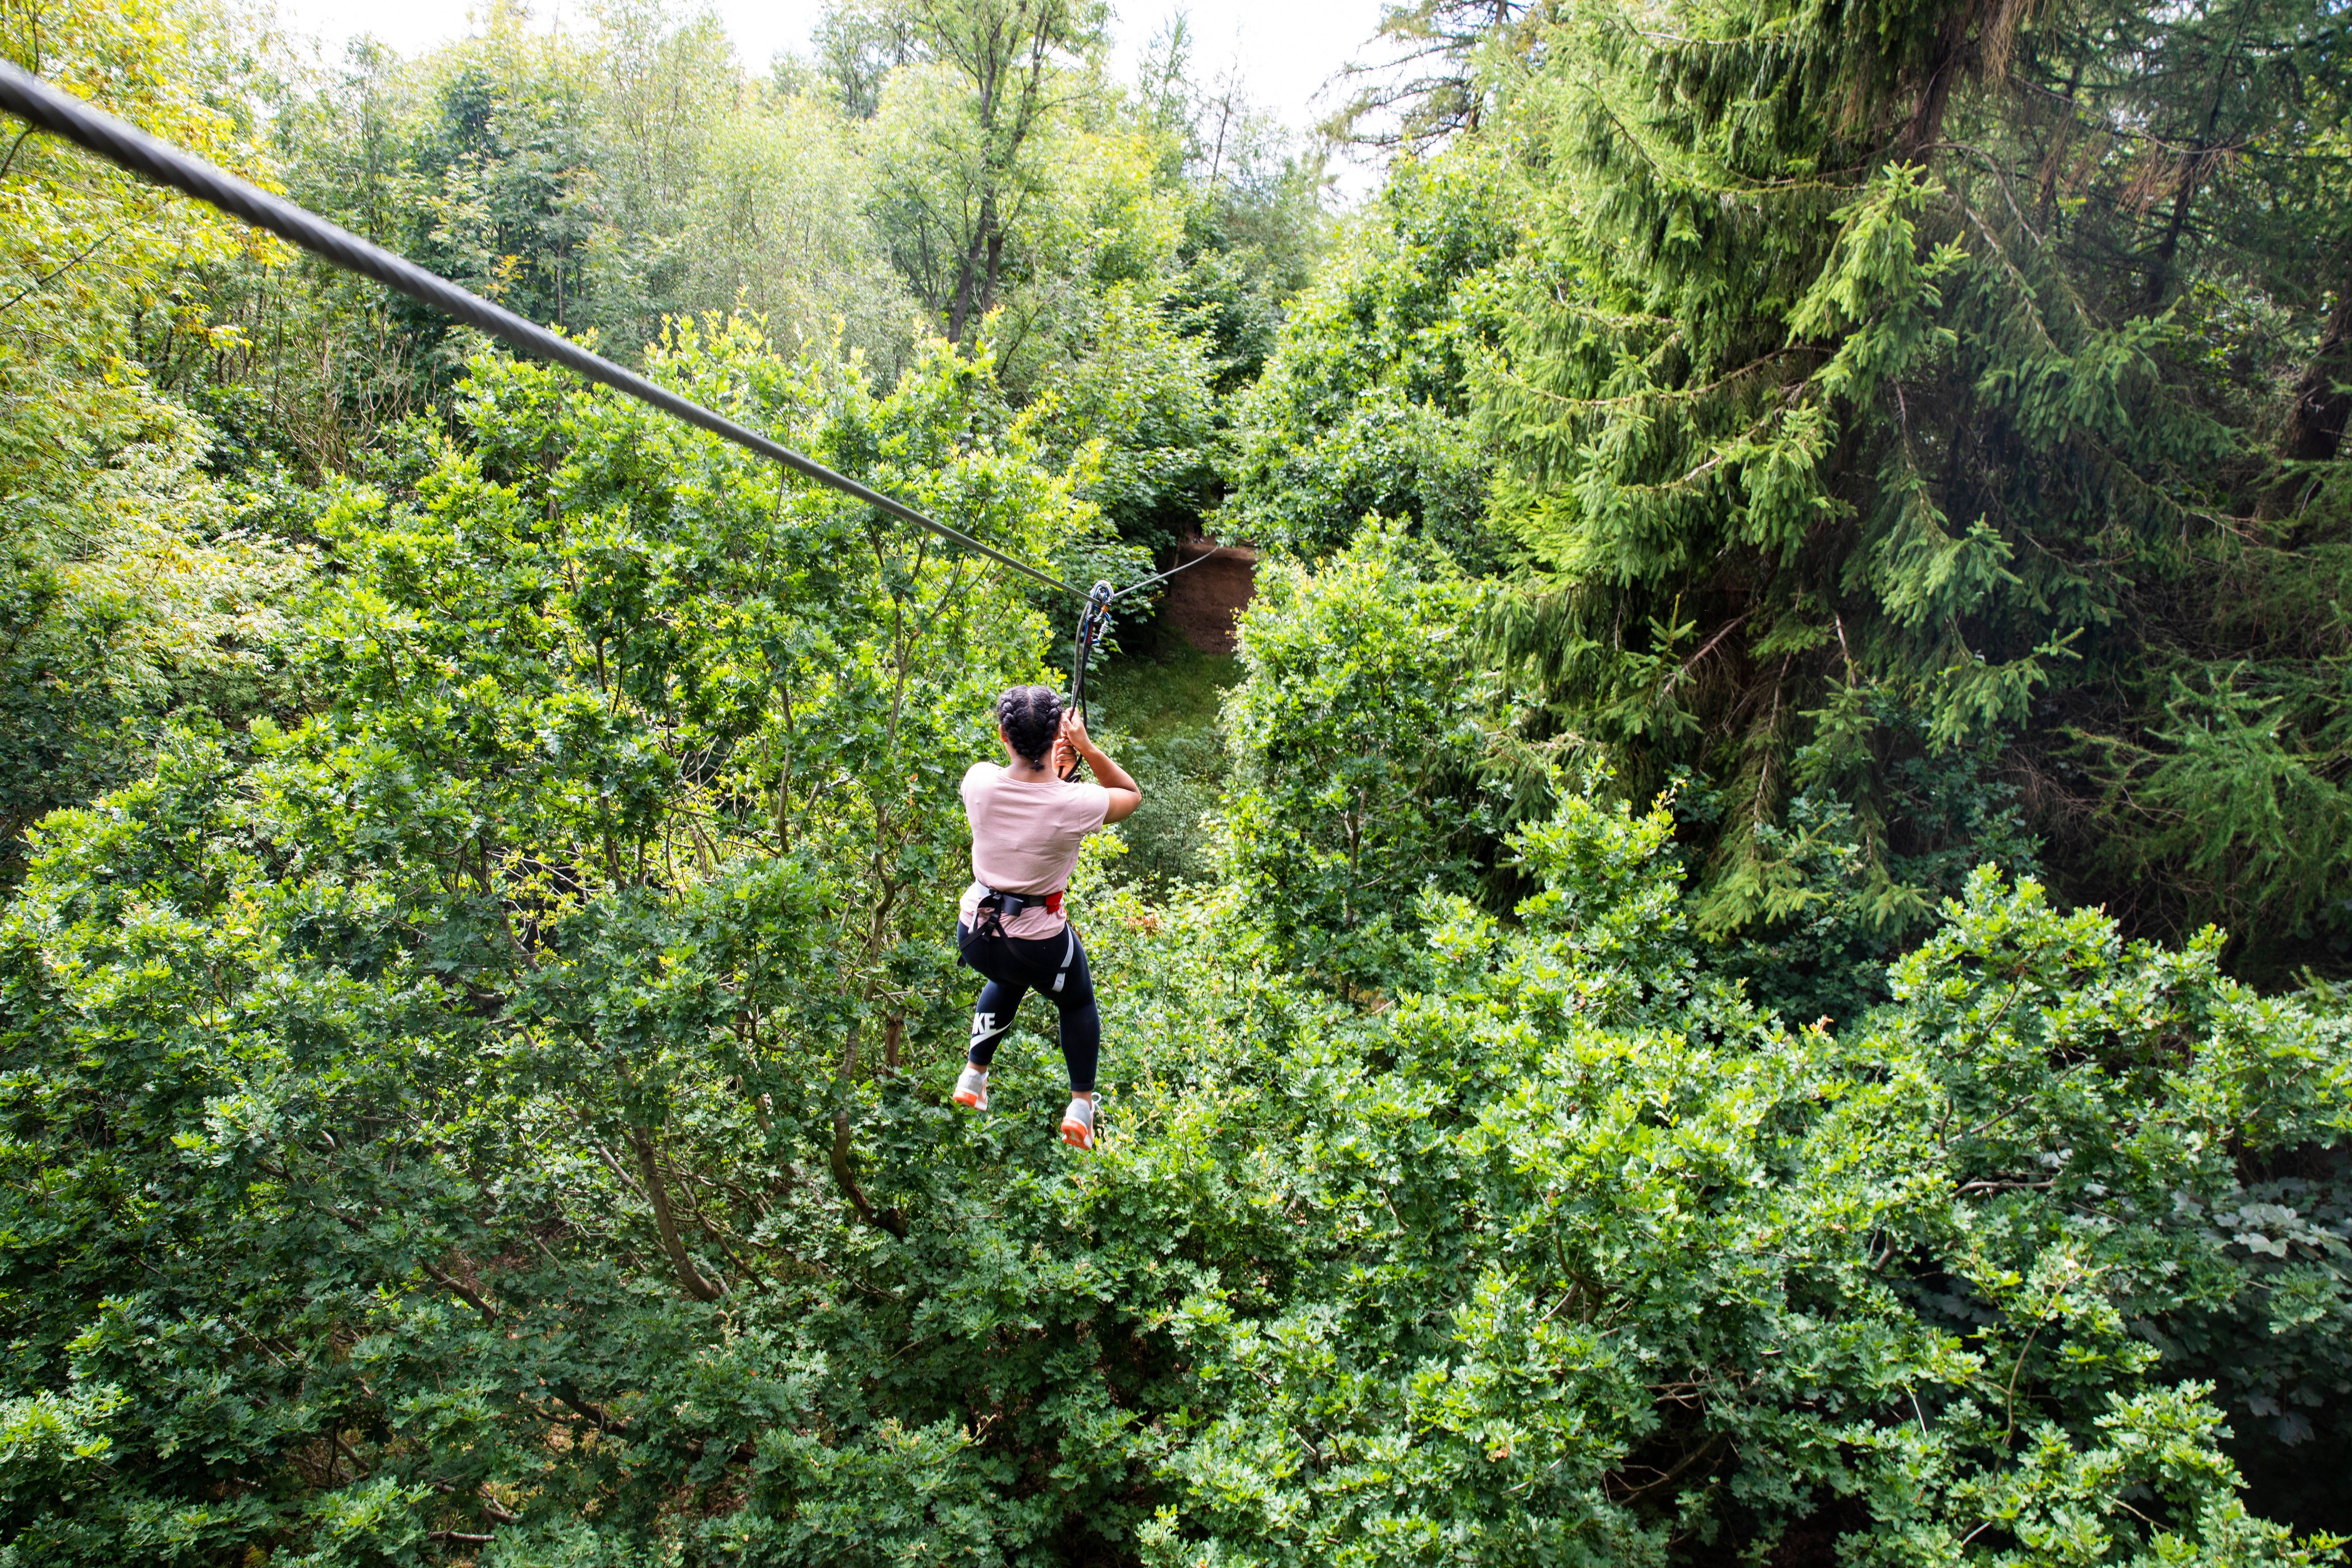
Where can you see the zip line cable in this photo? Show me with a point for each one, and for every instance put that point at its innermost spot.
(60, 113)
(1162, 577)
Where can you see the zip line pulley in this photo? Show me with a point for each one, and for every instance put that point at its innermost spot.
(1090, 628)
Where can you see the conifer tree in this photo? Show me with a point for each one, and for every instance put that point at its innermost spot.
(1893, 379)
(1421, 85)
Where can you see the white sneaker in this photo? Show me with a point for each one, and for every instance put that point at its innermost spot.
(1078, 1122)
(972, 1087)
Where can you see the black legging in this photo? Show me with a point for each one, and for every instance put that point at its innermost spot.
(1015, 966)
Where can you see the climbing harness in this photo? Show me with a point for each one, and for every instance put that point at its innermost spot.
(62, 114)
(996, 906)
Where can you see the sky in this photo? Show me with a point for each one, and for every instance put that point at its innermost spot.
(1285, 52)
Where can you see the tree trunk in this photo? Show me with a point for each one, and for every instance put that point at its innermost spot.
(985, 246)
(2192, 169)
(837, 1157)
(2314, 423)
(993, 268)
(2314, 430)
(2160, 277)
(649, 1168)
(1928, 119)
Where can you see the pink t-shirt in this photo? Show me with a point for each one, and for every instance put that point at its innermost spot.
(1024, 839)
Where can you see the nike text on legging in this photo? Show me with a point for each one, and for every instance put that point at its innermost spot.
(1015, 966)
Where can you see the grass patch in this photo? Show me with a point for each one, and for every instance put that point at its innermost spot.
(1149, 695)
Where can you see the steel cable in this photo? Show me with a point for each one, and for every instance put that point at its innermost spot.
(62, 114)
(1163, 576)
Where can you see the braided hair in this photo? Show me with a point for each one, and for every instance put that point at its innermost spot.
(1031, 717)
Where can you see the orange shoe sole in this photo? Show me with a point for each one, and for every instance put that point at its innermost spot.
(972, 1101)
(1076, 1135)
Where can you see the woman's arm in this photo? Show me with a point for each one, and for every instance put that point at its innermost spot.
(1125, 794)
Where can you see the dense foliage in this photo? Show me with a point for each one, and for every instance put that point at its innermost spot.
(1874, 393)
(130, 582)
(1613, 1055)
(514, 1136)
(1364, 406)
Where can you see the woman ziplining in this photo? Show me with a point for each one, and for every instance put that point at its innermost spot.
(1028, 819)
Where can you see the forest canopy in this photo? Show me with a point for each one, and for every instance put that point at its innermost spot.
(1743, 962)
